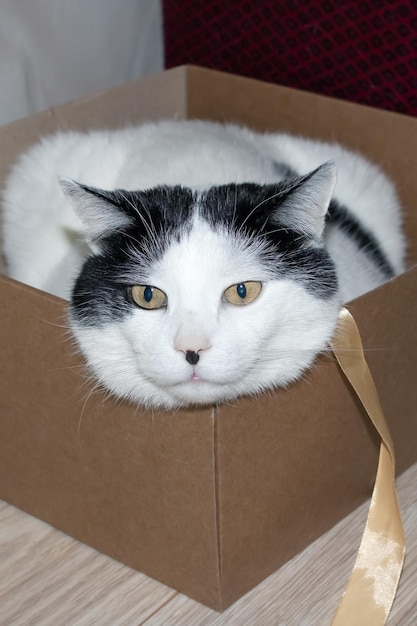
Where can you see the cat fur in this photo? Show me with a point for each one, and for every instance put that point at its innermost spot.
(210, 183)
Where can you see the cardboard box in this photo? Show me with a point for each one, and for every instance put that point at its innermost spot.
(208, 501)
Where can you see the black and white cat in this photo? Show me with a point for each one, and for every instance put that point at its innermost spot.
(218, 257)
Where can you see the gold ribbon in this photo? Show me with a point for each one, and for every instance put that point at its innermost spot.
(371, 589)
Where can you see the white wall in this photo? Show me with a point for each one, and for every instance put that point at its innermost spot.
(57, 50)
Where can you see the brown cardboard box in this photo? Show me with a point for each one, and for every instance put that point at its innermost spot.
(208, 501)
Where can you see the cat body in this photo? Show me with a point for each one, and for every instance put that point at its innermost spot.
(217, 266)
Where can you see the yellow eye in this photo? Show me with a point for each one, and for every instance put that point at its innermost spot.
(243, 293)
(148, 297)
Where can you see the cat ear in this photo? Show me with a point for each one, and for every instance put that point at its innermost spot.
(98, 210)
(307, 200)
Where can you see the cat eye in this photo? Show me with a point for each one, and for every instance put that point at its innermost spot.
(147, 297)
(243, 293)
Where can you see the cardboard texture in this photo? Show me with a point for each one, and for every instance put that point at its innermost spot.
(208, 501)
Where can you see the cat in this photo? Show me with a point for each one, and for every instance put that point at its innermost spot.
(203, 261)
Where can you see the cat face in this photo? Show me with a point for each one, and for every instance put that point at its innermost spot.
(195, 297)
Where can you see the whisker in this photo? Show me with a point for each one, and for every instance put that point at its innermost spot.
(149, 227)
(255, 208)
(94, 389)
(234, 208)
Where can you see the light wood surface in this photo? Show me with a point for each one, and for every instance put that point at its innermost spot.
(49, 579)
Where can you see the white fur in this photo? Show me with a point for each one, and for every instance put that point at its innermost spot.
(242, 349)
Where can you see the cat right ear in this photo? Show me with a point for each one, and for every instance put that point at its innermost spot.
(307, 200)
(98, 210)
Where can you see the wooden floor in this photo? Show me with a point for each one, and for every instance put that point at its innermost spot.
(49, 579)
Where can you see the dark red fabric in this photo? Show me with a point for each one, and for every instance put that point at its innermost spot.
(359, 50)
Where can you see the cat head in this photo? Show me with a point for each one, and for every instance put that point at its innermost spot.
(199, 296)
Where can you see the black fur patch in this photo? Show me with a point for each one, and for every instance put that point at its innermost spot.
(160, 215)
(365, 241)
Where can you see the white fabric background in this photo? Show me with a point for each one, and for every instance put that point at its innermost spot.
(52, 51)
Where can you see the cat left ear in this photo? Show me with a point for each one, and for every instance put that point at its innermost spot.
(307, 200)
(98, 210)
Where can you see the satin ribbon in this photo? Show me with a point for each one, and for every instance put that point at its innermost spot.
(371, 589)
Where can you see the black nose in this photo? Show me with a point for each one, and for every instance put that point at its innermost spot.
(192, 357)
